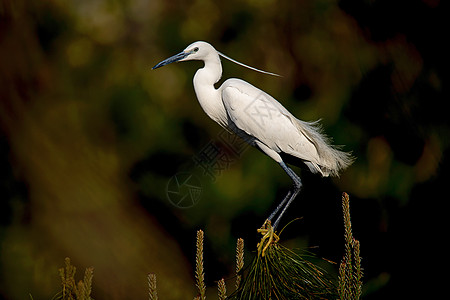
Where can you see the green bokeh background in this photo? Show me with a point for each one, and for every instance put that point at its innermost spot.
(90, 137)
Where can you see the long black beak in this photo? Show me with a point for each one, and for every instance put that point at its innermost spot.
(171, 59)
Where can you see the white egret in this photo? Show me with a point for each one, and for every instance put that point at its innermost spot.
(260, 120)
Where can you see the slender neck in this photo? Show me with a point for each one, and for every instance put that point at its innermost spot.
(210, 73)
(208, 96)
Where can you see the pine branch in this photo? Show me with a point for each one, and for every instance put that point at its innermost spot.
(199, 272)
(152, 295)
(70, 290)
(285, 275)
(67, 275)
(350, 271)
(239, 261)
(84, 287)
(222, 289)
(357, 283)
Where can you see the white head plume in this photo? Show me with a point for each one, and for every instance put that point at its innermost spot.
(244, 65)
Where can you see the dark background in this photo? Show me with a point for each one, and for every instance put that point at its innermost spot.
(90, 138)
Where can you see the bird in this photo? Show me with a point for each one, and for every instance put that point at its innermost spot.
(261, 121)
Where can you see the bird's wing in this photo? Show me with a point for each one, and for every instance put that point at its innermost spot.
(264, 118)
(270, 123)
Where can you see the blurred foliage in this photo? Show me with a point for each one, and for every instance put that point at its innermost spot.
(90, 136)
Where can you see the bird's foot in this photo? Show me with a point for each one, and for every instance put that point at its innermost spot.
(269, 237)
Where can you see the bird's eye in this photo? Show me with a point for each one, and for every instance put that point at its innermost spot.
(196, 49)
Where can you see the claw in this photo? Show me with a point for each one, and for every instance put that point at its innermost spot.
(268, 234)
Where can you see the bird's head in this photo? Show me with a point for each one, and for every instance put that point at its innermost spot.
(195, 51)
(203, 51)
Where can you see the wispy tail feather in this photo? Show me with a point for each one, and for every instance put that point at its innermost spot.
(331, 159)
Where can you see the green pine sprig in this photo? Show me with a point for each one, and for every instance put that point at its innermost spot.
(350, 271)
(284, 274)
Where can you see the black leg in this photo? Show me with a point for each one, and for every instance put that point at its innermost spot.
(282, 203)
(289, 197)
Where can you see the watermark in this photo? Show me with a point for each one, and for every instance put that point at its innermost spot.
(220, 154)
(262, 110)
(184, 189)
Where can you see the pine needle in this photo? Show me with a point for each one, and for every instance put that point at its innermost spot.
(284, 274)
(199, 272)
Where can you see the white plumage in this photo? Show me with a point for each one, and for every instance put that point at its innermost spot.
(260, 119)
